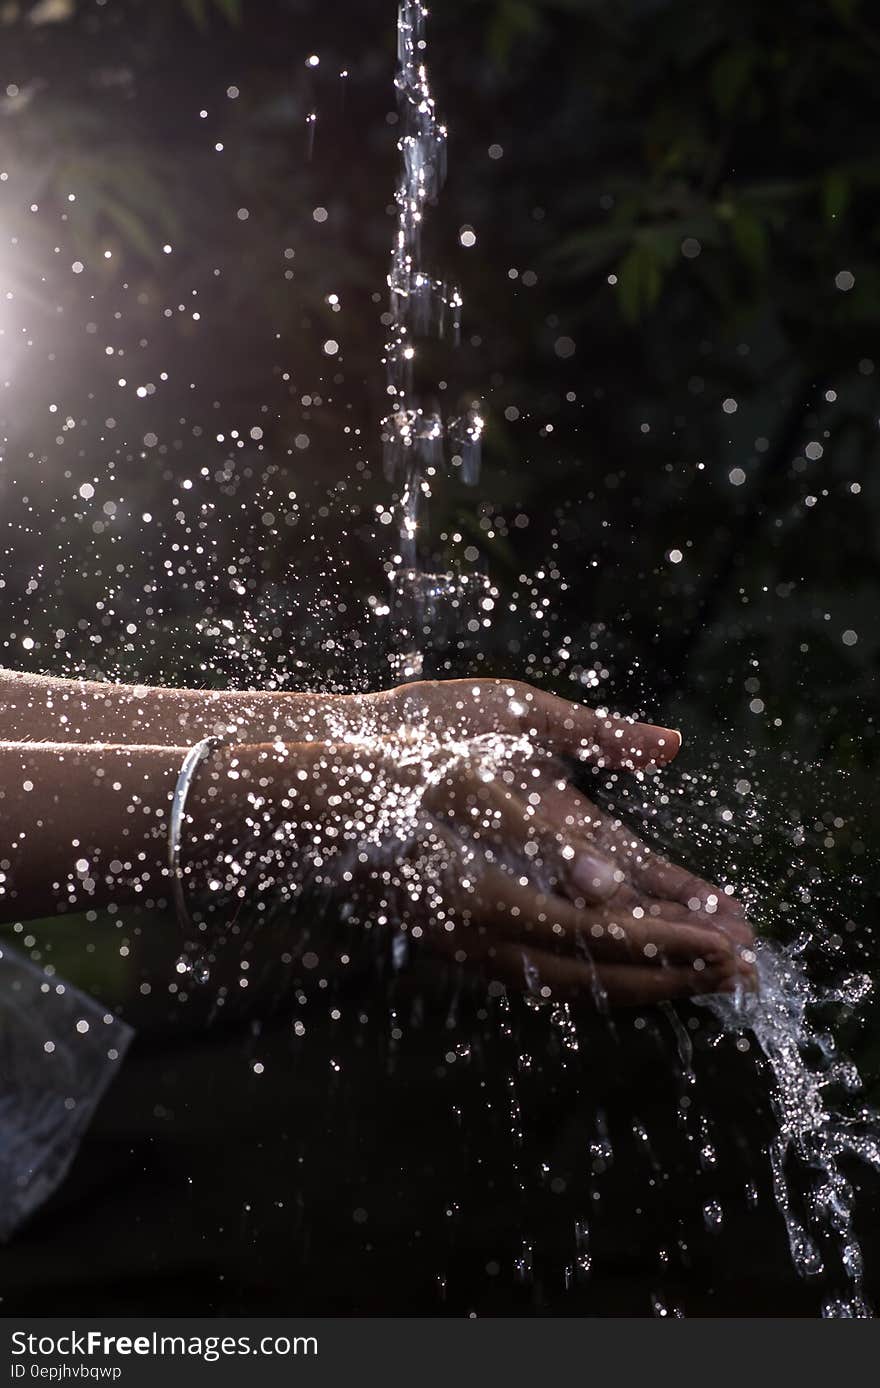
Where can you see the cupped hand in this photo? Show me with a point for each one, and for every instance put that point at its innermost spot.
(536, 799)
(553, 841)
(447, 846)
(669, 890)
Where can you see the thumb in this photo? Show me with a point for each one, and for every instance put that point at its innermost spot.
(594, 734)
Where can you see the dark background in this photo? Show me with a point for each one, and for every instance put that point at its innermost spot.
(671, 316)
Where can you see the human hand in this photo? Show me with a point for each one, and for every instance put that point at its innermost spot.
(475, 708)
(445, 846)
(639, 871)
(534, 820)
(466, 709)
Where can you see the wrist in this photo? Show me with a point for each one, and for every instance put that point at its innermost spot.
(239, 798)
(321, 717)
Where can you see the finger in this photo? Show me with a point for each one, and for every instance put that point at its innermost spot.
(634, 935)
(634, 985)
(655, 874)
(663, 878)
(495, 816)
(547, 975)
(557, 724)
(633, 855)
(592, 735)
(649, 871)
(561, 804)
(660, 878)
(509, 909)
(573, 813)
(574, 819)
(660, 909)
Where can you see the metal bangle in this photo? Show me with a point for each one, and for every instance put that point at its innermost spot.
(191, 763)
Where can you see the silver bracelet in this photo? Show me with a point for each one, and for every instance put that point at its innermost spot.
(191, 763)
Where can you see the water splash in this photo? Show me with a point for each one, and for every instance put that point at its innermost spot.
(813, 1087)
(817, 1133)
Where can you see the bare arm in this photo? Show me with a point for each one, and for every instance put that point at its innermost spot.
(40, 708)
(80, 825)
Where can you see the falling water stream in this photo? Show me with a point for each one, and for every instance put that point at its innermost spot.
(418, 440)
(817, 1133)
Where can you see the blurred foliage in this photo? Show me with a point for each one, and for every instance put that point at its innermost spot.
(200, 10)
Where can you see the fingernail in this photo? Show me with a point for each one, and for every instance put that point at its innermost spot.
(668, 741)
(593, 875)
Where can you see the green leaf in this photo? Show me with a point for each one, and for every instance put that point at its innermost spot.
(588, 251)
(731, 76)
(639, 281)
(231, 9)
(512, 20)
(835, 195)
(198, 12)
(844, 9)
(749, 235)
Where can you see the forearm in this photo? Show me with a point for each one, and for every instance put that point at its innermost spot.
(41, 708)
(81, 825)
